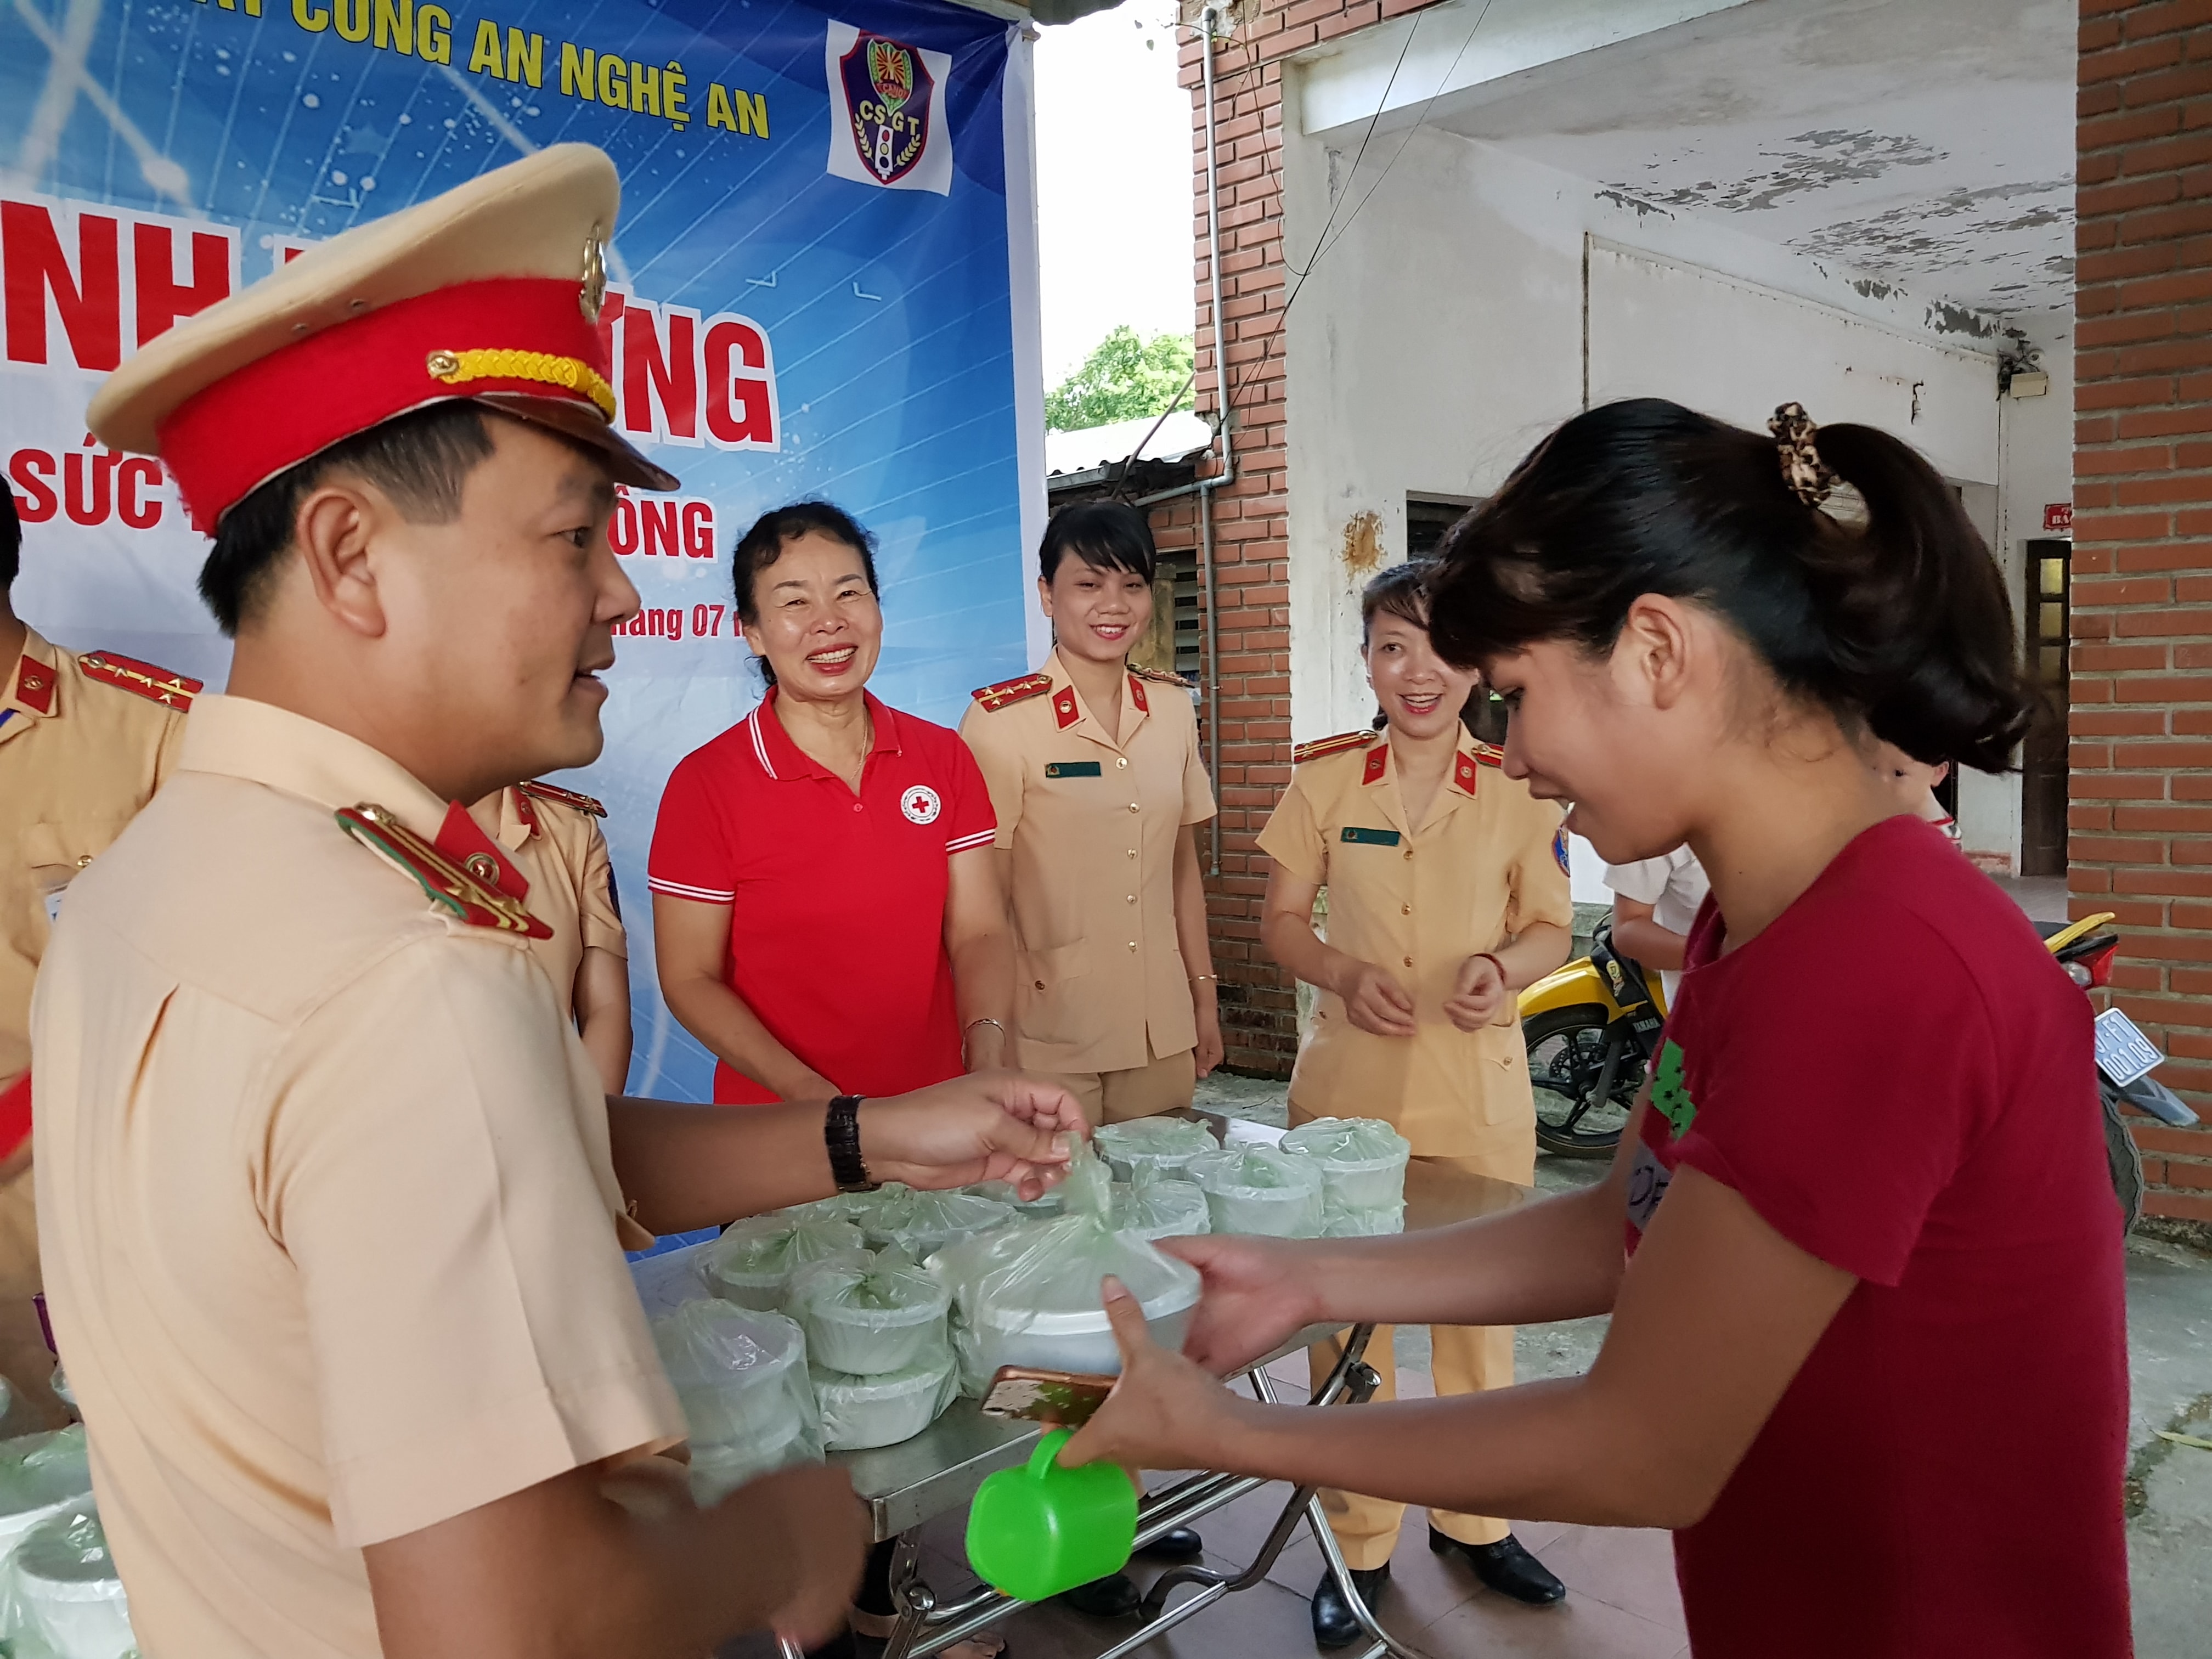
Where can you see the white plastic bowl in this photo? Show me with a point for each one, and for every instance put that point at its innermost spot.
(1162, 1144)
(73, 1598)
(718, 1470)
(860, 1412)
(868, 1341)
(1353, 1183)
(1291, 1210)
(1080, 1341)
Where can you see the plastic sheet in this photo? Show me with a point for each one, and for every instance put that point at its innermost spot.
(62, 1598)
(1338, 1222)
(919, 1224)
(869, 1320)
(859, 1413)
(1161, 1145)
(1028, 1295)
(752, 1262)
(41, 1476)
(741, 1377)
(1048, 1203)
(1363, 1160)
(1155, 1206)
(1261, 1190)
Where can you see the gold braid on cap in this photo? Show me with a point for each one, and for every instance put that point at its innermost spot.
(1808, 476)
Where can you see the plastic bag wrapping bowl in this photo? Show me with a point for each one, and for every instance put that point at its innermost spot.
(1157, 1144)
(41, 1476)
(1259, 1189)
(751, 1263)
(871, 1320)
(919, 1224)
(859, 1413)
(1028, 1295)
(63, 1598)
(1046, 1204)
(1337, 1222)
(1157, 1206)
(1363, 1160)
(740, 1375)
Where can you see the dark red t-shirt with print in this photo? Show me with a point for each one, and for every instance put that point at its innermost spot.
(1900, 1081)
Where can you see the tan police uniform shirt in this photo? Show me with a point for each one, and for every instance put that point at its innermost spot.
(560, 851)
(1090, 819)
(79, 755)
(1418, 901)
(325, 1190)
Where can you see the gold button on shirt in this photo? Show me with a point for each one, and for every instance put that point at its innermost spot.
(78, 758)
(1077, 805)
(1483, 868)
(326, 1197)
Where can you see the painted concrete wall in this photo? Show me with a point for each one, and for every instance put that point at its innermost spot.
(1442, 330)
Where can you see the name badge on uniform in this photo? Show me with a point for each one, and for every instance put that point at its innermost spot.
(1071, 769)
(1372, 837)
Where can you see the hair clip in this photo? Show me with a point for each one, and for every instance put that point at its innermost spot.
(1808, 476)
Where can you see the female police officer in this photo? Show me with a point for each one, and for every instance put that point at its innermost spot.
(1094, 773)
(1447, 894)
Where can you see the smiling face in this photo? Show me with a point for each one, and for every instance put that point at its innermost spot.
(1098, 613)
(1421, 693)
(816, 620)
(501, 620)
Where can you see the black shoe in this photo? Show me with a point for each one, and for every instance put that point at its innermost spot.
(1334, 1626)
(1181, 1545)
(1506, 1568)
(1111, 1597)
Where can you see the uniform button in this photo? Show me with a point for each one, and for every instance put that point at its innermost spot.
(1409, 852)
(483, 867)
(1129, 898)
(1133, 945)
(1409, 961)
(1133, 852)
(856, 806)
(85, 858)
(1123, 764)
(1040, 985)
(1405, 910)
(1133, 806)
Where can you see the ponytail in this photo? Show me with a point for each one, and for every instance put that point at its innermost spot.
(1899, 625)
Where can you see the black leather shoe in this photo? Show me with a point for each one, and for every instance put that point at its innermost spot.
(1111, 1597)
(1506, 1567)
(1334, 1626)
(1181, 1545)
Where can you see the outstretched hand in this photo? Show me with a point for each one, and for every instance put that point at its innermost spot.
(987, 1126)
(1164, 1412)
(1255, 1295)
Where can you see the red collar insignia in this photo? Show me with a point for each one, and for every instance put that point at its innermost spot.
(1137, 695)
(1064, 707)
(34, 685)
(524, 811)
(1377, 758)
(1463, 772)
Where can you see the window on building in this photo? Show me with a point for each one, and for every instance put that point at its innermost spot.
(1427, 518)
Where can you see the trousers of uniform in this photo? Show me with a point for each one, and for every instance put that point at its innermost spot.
(25, 1360)
(1464, 1360)
(1162, 1083)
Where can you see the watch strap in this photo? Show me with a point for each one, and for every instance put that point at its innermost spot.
(841, 1135)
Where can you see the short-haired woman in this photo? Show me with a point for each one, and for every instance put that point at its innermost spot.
(1447, 894)
(1095, 775)
(828, 916)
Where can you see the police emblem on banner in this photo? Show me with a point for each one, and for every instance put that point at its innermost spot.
(887, 112)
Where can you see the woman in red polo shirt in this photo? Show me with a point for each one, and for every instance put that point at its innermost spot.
(1867, 1356)
(828, 915)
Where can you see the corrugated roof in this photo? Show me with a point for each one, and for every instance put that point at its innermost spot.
(1182, 434)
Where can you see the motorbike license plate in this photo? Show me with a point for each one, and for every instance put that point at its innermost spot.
(2124, 1053)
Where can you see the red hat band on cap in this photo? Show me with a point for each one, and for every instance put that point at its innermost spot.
(506, 334)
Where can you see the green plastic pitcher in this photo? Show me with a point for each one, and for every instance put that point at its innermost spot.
(1040, 1529)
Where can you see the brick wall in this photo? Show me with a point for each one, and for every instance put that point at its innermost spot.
(1251, 554)
(2140, 810)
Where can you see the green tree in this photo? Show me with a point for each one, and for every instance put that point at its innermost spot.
(1122, 379)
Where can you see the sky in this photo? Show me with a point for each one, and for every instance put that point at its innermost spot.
(1113, 176)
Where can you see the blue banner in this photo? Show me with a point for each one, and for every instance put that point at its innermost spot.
(814, 292)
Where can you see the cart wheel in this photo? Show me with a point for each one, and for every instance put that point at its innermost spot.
(1566, 1057)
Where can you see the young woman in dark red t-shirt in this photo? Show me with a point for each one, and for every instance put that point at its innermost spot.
(1867, 1356)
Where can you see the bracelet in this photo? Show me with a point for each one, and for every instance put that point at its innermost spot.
(1201, 979)
(985, 1020)
(1490, 958)
(841, 1135)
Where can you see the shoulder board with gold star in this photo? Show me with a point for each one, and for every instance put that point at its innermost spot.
(1320, 748)
(554, 792)
(145, 679)
(1488, 753)
(1006, 693)
(1160, 676)
(449, 887)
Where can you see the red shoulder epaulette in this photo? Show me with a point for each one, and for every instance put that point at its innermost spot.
(1006, 693)
(1162, 676)
(156, 684)
(1320, 747)
(1488, 753)
(449, 887)
(553, 791)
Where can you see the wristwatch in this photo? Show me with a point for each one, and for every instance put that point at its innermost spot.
(840, 1133)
